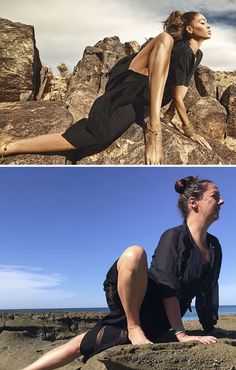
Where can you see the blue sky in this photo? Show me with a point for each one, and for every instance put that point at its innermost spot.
(61, 228)
(63, 28)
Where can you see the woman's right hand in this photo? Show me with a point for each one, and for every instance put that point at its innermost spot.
(183, 338)
(200, 139)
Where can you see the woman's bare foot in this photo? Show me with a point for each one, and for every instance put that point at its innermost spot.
(5, 140)
(137, 336)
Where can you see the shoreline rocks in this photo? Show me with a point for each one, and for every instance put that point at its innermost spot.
(19, 345)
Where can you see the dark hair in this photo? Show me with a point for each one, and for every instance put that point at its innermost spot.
(189, 187)
(176, 24)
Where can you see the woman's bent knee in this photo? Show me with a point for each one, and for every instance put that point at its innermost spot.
(134, 254)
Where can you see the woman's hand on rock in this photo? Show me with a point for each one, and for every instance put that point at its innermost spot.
(199, 139)
(183, 338)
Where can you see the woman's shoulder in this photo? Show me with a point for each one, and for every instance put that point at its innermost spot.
(213, 240)
(174, 231)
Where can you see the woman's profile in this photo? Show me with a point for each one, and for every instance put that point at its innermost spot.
(145, 303)
(138, 86)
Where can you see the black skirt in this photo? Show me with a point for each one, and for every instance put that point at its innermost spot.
(112, 329)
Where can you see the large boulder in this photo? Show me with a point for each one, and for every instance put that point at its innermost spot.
(23, 120)
(209, 117)
(20, 62)
(90, 74)
(228, 100)
(205, 81)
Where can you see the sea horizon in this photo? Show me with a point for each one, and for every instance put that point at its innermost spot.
(190, 315)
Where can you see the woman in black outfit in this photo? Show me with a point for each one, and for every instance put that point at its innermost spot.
(138, 86)
(146, 303)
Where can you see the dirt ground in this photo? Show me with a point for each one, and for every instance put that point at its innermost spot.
(18, 349)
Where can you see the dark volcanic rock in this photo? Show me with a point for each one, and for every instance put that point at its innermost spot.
(20, 62)
(228, 100)
(28, 119)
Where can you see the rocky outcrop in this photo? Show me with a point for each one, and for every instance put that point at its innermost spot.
(209, 117)
(205, 81)
(22, 120)
(179, 150)
(49, 326)
(210, 103)
(228, 100)
(20, 62)
(90, 74)
(18, 347)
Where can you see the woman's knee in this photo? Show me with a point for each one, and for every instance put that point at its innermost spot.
(134, 255)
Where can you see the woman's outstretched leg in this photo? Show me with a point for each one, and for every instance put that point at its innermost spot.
(59, 356)
(42, 143)
(132, 285)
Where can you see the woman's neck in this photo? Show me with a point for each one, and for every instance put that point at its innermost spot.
(195, 45)
(198, 231)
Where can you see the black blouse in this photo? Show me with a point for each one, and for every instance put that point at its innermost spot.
(183, 65)
(179, 271)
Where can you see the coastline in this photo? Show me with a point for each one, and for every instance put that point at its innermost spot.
(24, 337)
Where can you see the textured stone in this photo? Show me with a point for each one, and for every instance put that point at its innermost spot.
(228, 100)
(28, 119)
(20, 62)
(205, 81)
(209, 117)
(91, 73)
(129, 149)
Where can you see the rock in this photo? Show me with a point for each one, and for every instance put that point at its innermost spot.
(28, 119)
(208, 117)
(164, 356)
(20, 62)
(228, 100)
(179, 150)
(90, 74)
(205, 81)
(18, 348)
(46, 77)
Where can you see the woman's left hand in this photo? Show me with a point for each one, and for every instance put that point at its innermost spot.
(199, 139)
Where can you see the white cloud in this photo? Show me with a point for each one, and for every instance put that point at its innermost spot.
(25, 287)
(64, 27)
(220, 51)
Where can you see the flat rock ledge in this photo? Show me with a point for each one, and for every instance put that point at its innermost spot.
(22, 342)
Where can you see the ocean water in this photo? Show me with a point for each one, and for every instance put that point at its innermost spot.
(223, 310)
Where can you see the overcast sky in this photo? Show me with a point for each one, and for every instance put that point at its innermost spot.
(64, 28)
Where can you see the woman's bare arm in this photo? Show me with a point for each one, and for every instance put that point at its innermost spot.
(179, 93)
(173, 313)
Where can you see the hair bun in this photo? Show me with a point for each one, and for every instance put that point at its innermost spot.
(180, 186)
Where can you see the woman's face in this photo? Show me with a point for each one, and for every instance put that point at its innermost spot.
(199, 28)
(210, 202)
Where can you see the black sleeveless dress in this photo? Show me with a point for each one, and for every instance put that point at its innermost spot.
(126, 99)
